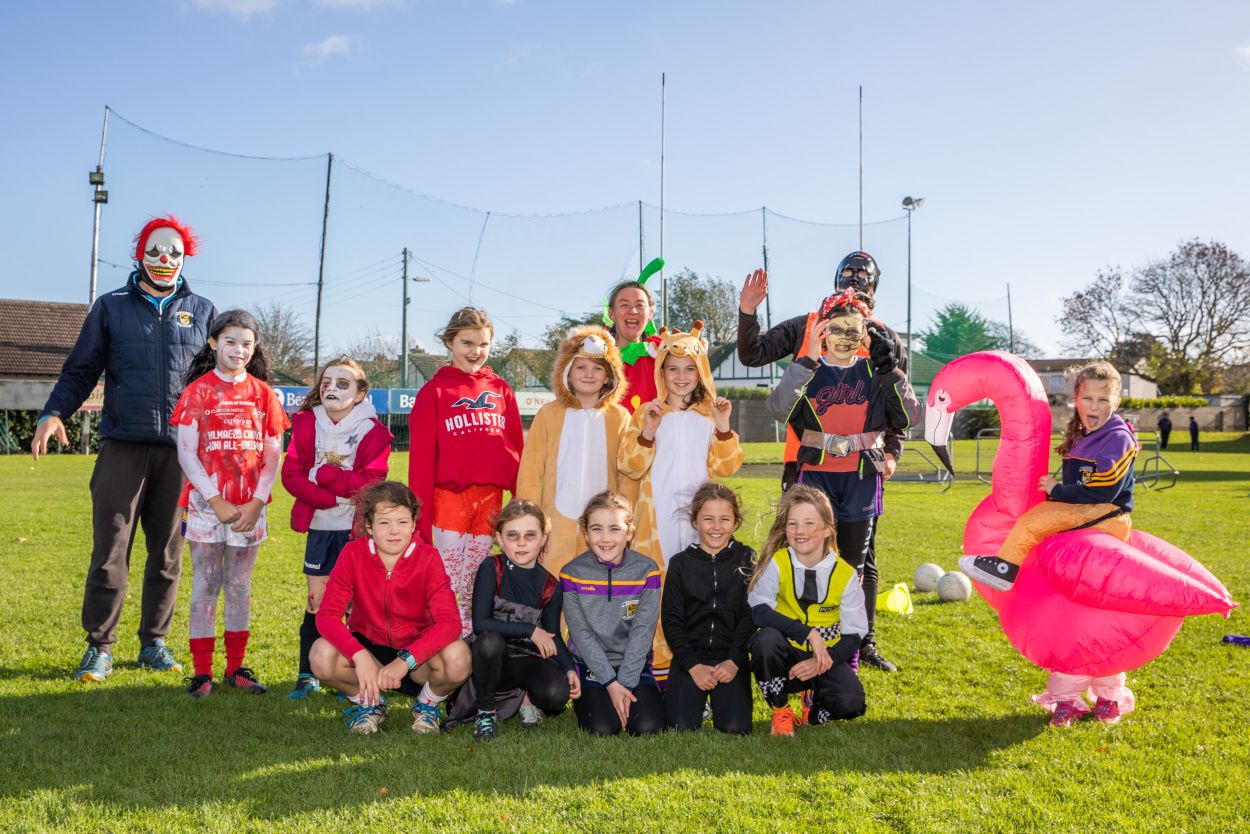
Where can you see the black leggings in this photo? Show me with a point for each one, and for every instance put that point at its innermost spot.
(856, 544)
(596, 715)
(495, 670)
(837, 694)
(731, 702)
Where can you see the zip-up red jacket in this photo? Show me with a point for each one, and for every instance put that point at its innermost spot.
(410, 607)
(464, 429)
(371, 465)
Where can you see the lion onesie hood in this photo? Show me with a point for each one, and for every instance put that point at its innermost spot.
(571, 452)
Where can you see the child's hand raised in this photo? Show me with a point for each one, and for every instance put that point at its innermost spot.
(544, 641)
(652, 414)
(227, 513)
(816, 341)
(721, 409)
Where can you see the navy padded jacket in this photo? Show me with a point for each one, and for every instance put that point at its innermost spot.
(142, 353)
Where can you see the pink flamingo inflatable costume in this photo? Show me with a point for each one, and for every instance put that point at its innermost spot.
(1085, 604)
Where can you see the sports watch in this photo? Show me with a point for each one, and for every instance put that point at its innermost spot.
(406, 657)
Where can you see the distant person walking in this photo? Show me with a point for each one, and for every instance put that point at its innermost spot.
(1165, 430)
(141, 337)
(1193, 434)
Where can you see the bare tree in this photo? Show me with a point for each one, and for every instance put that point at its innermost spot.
(1186, 315)
(287, 339)
(378, 354)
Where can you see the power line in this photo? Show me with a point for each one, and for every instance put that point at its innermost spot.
(214, 151)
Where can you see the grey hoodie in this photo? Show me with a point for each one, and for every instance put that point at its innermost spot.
(612, 611)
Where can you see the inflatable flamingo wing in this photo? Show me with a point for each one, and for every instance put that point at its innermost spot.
(1084, 602)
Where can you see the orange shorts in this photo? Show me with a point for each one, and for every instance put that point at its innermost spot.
(472, 511)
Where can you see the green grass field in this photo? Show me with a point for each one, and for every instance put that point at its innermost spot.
(951, 743)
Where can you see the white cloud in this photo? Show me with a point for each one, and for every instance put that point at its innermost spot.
(1244, 52)
(242, 9)
(345, 45)
(357, 5)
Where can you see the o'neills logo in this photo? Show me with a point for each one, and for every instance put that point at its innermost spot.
(474, 418)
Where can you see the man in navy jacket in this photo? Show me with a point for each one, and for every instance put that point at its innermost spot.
(142, 338)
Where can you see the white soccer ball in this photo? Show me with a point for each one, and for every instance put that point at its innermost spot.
(954, 587)
(926, 576)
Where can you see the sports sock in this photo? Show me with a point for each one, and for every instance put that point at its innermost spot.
(308, 635)
(427, 696)
(236, 648)
(202, 649)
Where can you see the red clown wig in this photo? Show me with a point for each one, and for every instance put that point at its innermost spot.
(189, 240)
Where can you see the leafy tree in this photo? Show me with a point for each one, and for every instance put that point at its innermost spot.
(1185, 316)
(692, 297)
(958, 329)
(555, 333)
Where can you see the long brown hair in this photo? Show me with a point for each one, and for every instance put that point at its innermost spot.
(791, 498)
(313, 398)
(1098, 371)
(466, 318)
(712, 491)
(206, 359)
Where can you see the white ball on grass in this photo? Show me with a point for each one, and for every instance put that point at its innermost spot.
(926, 576)
(954, 587)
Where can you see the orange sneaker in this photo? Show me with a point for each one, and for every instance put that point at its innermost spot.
(783, 721)
(804, 715)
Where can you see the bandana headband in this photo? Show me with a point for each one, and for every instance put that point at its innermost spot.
(843, 300)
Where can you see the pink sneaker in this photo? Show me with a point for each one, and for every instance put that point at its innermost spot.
(1066, 714)
(1108, 712)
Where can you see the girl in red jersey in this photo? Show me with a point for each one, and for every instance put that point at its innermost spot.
(465, 449)
(338, 447)
(401, 632)
(230, 426)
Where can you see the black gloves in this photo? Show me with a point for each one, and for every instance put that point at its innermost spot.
(881, 350)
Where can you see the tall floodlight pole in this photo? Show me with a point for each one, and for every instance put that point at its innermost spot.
(403, 329)
(99, 197)
(910, 204)
(321, 267)
(861, 167)
(663, 280)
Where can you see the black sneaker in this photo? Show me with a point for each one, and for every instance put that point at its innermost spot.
(990, 570)
(868, 655)
(200, 686)
(244, 680)
(484, 726)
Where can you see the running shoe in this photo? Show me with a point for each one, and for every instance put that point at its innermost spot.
(1066, 714)
(484, 726)
(305, 685)
(870, 656)
(427, 718)
(990, 570)
(364, 720)
(244, 680)
(1107, 711)
(159, 658)
(804, 715)
(531, 716)
(783, 721)
(200, 686)
(95, 666)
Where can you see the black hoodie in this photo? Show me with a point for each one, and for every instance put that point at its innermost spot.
(704, 609)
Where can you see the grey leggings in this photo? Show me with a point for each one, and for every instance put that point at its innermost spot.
(216, 566)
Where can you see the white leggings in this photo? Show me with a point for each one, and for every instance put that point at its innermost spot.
(216, 566)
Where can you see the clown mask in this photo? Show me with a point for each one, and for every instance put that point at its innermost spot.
(162, 258)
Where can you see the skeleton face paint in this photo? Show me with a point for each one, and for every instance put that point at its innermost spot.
(162, 257)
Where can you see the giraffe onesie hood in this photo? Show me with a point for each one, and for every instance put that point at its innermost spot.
(571, 452)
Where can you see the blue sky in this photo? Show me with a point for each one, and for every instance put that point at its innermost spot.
(1048, 140)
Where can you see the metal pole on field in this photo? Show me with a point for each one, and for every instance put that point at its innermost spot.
(403, 330)
(99, 197)
(641, 262)
(321, 268)
(663, 281)
(768, 318)
(861, 167)
(910, 204)
(1011, 328)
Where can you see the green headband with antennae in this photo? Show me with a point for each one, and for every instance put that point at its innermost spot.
(633, 352)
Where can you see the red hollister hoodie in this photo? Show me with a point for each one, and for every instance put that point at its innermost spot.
(409, 607)
(464, 429)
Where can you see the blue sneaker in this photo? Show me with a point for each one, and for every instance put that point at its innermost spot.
(364, 720)
(95, 666)
(305, 685)
(159, 658)
(427, 718)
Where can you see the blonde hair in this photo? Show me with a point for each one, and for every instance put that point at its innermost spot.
(606, 500)
(1095, 371)
(791, 498)
(313, 397)
(466, 318)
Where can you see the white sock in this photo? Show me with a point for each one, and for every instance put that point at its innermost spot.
(355, 699)
(427, 696)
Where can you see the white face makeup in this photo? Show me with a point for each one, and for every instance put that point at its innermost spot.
(162, 257)
(843, 337)
(234, 346)
(340, 391)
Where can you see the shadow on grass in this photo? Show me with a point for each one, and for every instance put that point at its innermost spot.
(146, 747)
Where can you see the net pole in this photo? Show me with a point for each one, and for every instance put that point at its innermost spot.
(663, 280)
(321, 266)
